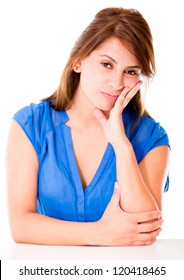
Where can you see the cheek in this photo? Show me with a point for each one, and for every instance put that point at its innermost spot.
(131, 82)
(89, 83)
(90, 78)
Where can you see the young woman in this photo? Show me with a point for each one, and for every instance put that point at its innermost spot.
(87, 165)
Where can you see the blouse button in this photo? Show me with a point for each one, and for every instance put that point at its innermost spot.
(81, 200)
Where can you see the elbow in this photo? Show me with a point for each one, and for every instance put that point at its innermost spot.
(16, 234)
(18, 230)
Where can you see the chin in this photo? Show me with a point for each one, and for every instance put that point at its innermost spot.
(106, 108)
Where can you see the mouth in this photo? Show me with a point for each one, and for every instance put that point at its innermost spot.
(109, 96)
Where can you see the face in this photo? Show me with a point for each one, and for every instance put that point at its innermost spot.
(105, 72)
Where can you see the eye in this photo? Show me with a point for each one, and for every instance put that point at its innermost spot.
(107, 65)
(132, 72)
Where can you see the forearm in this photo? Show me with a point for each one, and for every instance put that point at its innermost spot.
(135, 196)
(38, 229)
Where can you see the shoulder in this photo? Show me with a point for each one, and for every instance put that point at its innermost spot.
(38, 115)
(150, 129)
(37, 120)
(33, 110)
(144, 133)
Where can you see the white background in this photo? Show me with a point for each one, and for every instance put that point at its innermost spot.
(36, 37)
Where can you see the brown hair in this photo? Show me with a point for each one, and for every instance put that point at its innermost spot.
(129, 26)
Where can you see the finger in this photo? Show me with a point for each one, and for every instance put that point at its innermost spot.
(146, 237)
(116, 185)
(132, 93)
(116, 195)
(119, 105)
(100, 116)
(143, 243)
(126, 95)
(150, 227)
(134, 90)
(148, 216)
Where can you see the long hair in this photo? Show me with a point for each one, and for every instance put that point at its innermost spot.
(129, 26)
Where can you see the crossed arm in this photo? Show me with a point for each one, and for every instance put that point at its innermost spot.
(141, 186)
(131, 218)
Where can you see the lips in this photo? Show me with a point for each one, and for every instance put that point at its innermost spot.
(109, 96)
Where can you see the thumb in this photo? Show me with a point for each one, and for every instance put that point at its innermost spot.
(115, 200)
(100, 116)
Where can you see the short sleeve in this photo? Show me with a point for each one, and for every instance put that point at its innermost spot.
(149, 135)
(30, 119)
(153, 135)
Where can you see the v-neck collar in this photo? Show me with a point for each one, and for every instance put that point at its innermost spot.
(64, 117)
(73, 163)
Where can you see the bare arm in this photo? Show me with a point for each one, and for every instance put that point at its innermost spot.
(140, 185)
(115, 228)
(26, 225)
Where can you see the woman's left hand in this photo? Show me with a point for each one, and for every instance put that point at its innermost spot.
(113, 125)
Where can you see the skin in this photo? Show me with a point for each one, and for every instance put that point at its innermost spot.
(133, 216)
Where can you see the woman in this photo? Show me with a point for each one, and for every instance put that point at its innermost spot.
(87, 165)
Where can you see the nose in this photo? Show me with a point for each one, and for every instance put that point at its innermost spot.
(116, 86)
(116, 83)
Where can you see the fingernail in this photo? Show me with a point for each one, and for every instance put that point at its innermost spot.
(125, 91)
(116, 185)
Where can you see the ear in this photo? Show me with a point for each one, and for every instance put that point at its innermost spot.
(77, 67)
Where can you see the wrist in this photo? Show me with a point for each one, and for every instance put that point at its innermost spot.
(93, 234)
(122, 144)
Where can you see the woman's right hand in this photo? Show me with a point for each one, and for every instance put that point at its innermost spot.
(118, 228)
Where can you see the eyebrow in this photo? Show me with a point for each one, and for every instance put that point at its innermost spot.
(112, 59)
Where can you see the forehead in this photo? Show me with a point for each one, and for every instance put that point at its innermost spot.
(117, 50)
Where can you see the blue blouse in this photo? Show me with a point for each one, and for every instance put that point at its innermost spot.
(60, 192)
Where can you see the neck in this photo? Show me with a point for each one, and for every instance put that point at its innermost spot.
(81, 112)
